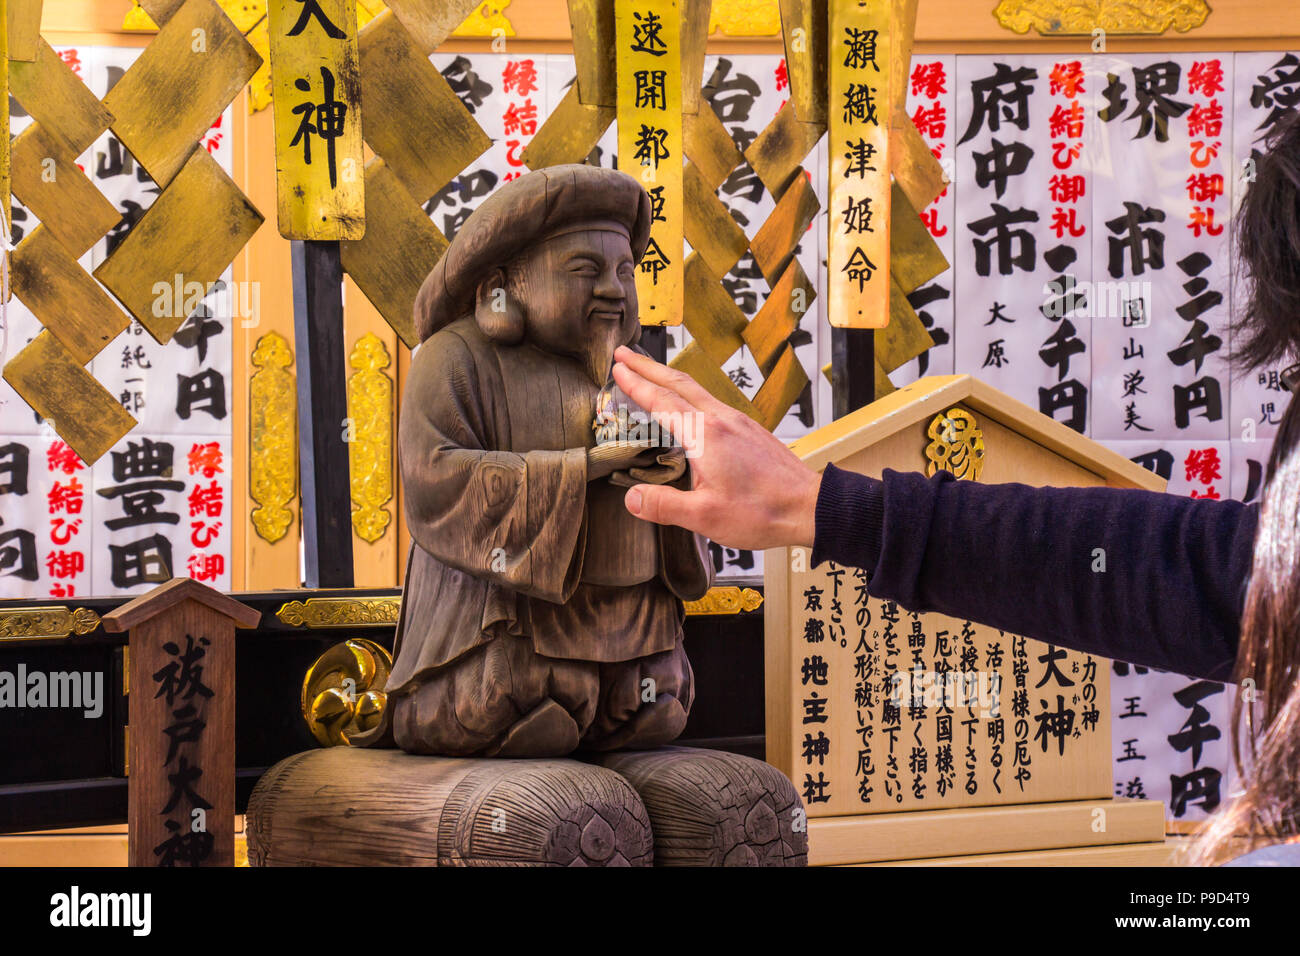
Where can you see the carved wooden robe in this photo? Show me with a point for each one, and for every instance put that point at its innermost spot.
(508, 535)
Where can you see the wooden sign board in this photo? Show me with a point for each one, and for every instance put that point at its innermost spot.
(181, 800)
(872, 708)
(648, 54)
(858, 187)
(316, 83)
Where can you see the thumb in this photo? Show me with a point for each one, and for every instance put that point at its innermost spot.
(661, 504)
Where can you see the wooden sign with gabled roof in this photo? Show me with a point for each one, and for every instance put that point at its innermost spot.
(181, 688)
(873, 710)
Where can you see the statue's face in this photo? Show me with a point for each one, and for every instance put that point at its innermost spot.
(578, 293)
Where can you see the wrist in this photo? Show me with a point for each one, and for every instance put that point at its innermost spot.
(805, 513)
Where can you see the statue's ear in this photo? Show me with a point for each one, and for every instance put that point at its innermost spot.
(498, 313)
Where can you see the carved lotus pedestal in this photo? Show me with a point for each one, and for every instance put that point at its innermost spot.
(675, 806)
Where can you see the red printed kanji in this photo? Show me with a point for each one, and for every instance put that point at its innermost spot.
(205, 459)
(512, 152)
(1064, 154)
(213, 139)
(66, 498)
(60, 457)
(1202, 464)
(1206, 78)
(1204, 187)
(931, 219)
(1203, 218)
(519, 77)
(63, 531)
(201, 535)
(205, 567)
(65, 564)
(1067, 121)
(1065, 220)
(1205, 120)
(931, 122)
(929, 80)
(206, 501)
(1209, 493)
(71, 58)
(61, 590)
(1067, 79)
(1203, 154)
(782, 76)
(1067, 188)
(520, 118)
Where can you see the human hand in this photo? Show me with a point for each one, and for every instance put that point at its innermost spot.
(604, 460)
(748, 489)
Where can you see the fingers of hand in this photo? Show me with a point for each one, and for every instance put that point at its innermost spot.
(671, 379)
(662, 504)
(665, 406)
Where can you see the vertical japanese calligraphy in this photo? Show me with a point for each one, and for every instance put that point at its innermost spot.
(649, 66)
(181, 800)
(859, 99)
(316, 82)
(1162, 185)
(896, 710)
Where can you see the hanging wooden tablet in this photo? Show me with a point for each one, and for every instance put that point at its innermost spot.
(316, 81)
(649, 64)
(859, 68)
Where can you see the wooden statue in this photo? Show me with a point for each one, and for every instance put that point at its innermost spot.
(538, 615)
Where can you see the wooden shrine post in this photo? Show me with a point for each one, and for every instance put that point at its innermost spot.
(320, 185)
(181, 796)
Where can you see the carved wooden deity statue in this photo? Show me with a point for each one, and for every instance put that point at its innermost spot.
(538, 615)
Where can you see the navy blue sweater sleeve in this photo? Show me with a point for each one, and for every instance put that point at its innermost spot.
(1030, 561)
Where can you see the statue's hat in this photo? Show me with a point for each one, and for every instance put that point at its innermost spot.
(519, 214)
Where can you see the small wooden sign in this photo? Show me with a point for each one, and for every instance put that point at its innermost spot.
(181, 800)
(857, 250)
(316, 83)
(648, 55)
(874, 709)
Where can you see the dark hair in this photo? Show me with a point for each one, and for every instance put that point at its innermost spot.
(1266, 708)
(1266, 330)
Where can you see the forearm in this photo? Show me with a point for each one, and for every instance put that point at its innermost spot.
(1144, 577)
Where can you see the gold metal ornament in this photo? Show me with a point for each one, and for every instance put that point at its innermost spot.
(726, 600)
(340, 612)
(45, 623)
(1082, 17)
(956, 445)
(370, 451)
(343, 698)
(273, 437)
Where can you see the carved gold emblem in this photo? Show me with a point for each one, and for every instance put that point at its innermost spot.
(340, 612)
(273, 436)
(726, 600)
(1076, 17)
(43, 623)
(343, 699)
(956, 445)
(370, 451)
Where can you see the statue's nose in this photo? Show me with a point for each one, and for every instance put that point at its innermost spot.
(608, 286)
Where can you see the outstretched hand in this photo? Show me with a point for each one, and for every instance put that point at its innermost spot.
(748, 489)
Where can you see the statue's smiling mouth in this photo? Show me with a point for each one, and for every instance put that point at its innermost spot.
(606, 315)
